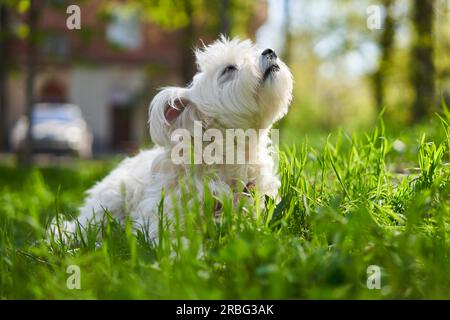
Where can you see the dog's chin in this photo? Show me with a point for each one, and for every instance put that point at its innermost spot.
(270, 72)
(275, 94)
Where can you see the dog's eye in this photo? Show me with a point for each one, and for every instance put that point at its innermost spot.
(229, 69)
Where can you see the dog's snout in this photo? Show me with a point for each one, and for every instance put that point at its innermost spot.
(269, 53)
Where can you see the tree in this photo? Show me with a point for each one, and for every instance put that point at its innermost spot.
(32, 19)
(4, 65)
(30, 11)
(287, 32)
(185, 45)
(188, 17)
(422, 71)
(225, 19)
(385, 44)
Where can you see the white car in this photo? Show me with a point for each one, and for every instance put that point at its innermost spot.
(57, 128)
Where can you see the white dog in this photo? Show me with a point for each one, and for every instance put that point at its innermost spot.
(237, 86)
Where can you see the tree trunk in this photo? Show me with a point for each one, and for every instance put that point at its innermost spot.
(27, 158)
(4, 60)
(225, 19)
(386, 41)
(187, 66)
(286, 53)
(287, 32)
(422, 67)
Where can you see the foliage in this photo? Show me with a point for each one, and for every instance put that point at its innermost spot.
(176, 14)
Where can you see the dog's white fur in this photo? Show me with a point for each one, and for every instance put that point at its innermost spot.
(236, 98)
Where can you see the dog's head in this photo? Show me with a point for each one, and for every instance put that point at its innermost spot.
(237, 86)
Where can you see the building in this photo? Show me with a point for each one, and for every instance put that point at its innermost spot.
(111, 68)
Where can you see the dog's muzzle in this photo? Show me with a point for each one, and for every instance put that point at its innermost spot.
(269, 63)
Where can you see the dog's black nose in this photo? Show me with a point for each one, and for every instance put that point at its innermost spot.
(270, 53)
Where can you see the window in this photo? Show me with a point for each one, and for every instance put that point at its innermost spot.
(124, 30)
(55, 46)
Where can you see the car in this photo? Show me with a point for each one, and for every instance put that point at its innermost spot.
(57, 128)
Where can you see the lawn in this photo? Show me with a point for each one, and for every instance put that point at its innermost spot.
(376, 198)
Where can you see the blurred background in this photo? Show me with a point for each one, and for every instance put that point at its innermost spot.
(86, 90)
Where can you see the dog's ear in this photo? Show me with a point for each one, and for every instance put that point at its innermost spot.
(170, 109)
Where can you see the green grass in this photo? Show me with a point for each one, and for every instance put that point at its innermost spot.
(348, 203)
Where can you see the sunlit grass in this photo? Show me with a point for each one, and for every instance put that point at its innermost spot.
(355, 201)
